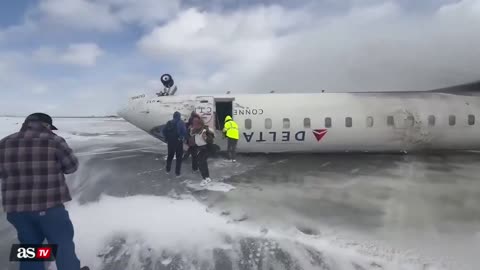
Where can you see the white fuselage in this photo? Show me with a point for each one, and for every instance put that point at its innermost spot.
(327, 122)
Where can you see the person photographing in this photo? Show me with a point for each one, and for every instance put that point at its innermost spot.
(33, 165)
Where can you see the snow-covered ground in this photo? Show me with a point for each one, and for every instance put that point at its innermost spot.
(84, 131)
(280, 212)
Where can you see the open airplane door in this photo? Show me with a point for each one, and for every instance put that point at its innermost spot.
(205, 107)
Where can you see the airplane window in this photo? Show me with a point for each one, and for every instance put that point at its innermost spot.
(431, 120)
(286, 123)
(409, 121)
(471, 119)
(348, 122)
(369, 121)
(307, 123)
(248, 123)
(328, 122)
(268, 123)
(451, 120)
(390, 121)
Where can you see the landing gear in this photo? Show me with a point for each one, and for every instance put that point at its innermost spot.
(168, 82)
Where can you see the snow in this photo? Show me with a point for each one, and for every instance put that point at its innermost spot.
(9, 125)
(184, 226)
(213, 186)
(160, 222)
(83, 132)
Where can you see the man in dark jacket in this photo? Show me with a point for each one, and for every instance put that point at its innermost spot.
(175, 133)
(32, 167)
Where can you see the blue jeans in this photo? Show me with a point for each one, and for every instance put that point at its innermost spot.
(54, 225)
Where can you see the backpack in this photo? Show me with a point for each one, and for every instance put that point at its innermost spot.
(170, 131)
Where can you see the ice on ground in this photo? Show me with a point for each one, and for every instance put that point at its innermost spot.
(138, 231)
(9, 125)
(79, 132)
(225, 169)
(212, 186)
(219, 186)
(142, 232)
(158, 221)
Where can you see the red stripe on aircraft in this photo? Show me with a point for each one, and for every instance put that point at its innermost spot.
(319, 133)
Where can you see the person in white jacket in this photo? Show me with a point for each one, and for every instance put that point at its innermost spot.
(201, 133)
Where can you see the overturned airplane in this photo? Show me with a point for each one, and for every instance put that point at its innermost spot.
(440, 119)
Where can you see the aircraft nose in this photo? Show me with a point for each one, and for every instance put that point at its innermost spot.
(123, 112)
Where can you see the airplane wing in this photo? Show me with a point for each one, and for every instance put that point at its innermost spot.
(470, 89)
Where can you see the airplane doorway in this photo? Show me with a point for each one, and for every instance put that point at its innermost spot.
(223, 108)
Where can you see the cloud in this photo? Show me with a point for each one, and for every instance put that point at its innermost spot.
(105, 15)
(13, 74)
(223, 36)
(18, 84)
(379, 46)
(81, 54)
(84, 54)
(27, 86)
(243, 40)
(79, 14)
(216, 46)
(144, 12)
(15, 32)
(39, 89)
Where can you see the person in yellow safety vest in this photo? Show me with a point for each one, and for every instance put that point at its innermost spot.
(232, 133)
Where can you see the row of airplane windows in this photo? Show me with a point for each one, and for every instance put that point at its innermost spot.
(369, 123)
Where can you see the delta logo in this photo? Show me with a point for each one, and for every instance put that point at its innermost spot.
(33, 253)
(319, 133)
(282, 136)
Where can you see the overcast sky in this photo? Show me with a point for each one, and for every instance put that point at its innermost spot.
(84, 57)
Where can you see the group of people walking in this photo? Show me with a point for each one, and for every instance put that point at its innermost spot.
(199, 138)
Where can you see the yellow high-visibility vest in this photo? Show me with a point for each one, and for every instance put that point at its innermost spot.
(231, 128)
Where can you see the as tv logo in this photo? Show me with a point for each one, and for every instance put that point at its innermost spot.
(33, 253)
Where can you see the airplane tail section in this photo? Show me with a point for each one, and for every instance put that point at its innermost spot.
(471, 89)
